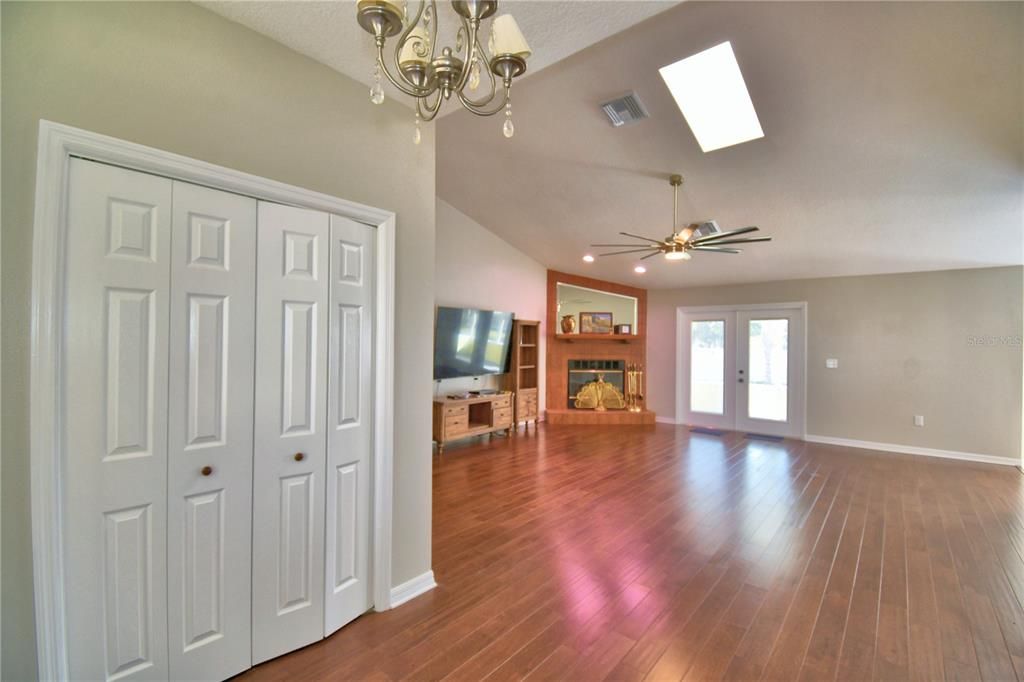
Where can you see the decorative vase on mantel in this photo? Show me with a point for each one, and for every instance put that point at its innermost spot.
(568, 324)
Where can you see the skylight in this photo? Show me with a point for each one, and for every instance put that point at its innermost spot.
(709, 89)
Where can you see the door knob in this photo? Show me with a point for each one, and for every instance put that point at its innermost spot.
(740, 380)
(299, 457)
(206, 471)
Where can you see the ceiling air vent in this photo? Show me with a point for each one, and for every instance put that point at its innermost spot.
(625, 109)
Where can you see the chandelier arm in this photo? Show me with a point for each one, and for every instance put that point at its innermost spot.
(472, 27)
(405, 35)
(426, 111)
(407, 88)
(480, 111)
(482, 56)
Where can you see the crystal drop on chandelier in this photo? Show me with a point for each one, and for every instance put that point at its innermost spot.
(509, 128)
(417, 136)
(377, 89)
(474, 75)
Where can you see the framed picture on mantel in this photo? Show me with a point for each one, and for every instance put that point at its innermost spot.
(595, 323)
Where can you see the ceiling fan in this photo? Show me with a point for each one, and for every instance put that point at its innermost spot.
(702, 236)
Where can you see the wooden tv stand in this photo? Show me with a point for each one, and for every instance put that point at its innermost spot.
(455, 419)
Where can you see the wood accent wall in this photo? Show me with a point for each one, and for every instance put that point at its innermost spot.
(561, 349)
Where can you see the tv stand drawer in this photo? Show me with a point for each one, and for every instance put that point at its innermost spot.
(455, 411)
(453, 426)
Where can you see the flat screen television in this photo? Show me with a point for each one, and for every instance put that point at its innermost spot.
(470, 342)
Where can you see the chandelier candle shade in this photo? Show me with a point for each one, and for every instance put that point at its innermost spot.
(432, 76)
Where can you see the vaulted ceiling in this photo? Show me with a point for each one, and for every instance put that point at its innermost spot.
(893, 143)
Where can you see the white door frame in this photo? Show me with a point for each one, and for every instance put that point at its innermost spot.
(57, 144)
(682, 367)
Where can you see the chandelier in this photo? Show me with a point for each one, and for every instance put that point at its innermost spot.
(431, 77)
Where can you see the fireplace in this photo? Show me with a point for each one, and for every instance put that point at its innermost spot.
(582, 372)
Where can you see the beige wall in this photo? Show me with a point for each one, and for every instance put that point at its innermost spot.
(904, 344)
(177, 77)
(476, 269)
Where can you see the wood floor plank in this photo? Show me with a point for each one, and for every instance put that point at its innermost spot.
(891, 652)
(625, 553)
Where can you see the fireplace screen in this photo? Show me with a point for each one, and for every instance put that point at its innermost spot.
(582, 372)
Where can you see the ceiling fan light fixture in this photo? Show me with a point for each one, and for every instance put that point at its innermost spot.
(588, 258)
(639, 269)
(700, 236)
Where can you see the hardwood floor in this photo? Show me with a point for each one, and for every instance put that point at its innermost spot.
(581, 553)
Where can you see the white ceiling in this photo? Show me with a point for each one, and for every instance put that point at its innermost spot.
(893, 143)
(328, 32)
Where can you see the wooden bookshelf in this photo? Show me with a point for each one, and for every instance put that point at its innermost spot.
(524, 380)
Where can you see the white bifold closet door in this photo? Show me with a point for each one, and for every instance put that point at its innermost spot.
(350, 415)
(209, 533)
(291, 429)
(115, 398)
(314, 435)
(160, 275)
(218, 397)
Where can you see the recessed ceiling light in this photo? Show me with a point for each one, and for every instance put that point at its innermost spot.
(640, 269)
(709, 89)
(588, 258)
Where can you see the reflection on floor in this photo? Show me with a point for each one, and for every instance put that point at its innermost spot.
(583, 553)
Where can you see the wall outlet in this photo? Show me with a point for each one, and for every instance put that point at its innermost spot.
(831, 363)
(918, 420)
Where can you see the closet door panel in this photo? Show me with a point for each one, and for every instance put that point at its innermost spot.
(350, 422)
(115, 397)
(290, 431)
(212, 330)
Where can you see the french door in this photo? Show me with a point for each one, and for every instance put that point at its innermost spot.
(742, 369)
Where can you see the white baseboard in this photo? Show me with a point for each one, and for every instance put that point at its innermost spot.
(913, 450)
(411, 589)
(665, 420)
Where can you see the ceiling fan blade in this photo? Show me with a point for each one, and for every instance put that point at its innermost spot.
(616, 245)
(646, 239)
(652, 255)
(744, 240)
(619, 253)
(723, 235)
(716, 249)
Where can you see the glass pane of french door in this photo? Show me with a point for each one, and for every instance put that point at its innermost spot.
(707, 366)
(768, 361)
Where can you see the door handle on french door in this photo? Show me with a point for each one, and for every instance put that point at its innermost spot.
(740, 380)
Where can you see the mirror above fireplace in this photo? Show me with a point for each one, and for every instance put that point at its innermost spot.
(584, 310)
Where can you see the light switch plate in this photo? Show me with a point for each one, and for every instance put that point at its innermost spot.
(918, 420)
(831, 363)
